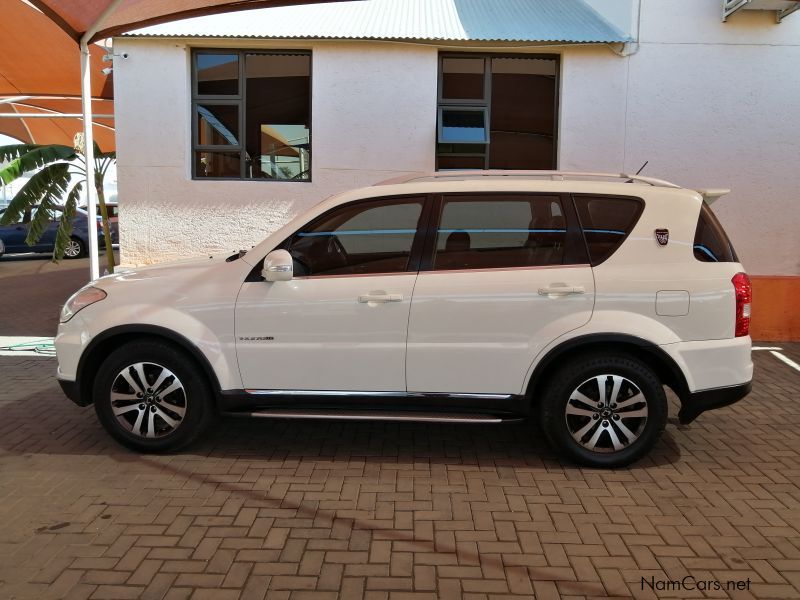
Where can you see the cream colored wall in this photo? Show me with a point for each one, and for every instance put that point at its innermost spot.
(373, 118)
(708, 104)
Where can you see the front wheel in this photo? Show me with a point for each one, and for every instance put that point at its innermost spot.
(604, 410)
(152, 397)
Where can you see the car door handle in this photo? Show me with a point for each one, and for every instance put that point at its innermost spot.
(557, 290)
(380, 298)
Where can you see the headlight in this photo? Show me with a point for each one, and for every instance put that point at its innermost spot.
(80, 300)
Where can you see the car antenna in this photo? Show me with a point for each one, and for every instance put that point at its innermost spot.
(639, 171)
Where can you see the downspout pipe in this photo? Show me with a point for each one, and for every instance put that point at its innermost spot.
(88, 137)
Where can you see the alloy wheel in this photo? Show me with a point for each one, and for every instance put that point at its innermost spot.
(148, 400)
(73, 249)
(606, 413)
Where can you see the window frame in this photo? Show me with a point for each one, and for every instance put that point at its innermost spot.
(575, 250)
(478, 109)
(417, 244)
(640, 212)
(486, 102)
(240, 100)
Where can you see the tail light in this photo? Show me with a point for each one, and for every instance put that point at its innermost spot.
(744, 296)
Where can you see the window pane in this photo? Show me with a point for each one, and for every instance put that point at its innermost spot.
(606, 222)
(461, 162)
(216, 164)
(278, 116)
(217, 74)
(365, 237)
(500, 231)
(463, 126)
(462, 78)
(711, 243)
(217, 125)
(523, 121)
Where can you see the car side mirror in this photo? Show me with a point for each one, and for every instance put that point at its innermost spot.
(278, 266)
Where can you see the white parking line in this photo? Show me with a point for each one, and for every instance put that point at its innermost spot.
(787, 360)
(766, 348)
(19, 345)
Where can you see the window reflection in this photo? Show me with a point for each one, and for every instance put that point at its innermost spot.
(217, 74)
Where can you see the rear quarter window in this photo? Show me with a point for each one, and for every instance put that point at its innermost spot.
(711, 243)
(606, 222)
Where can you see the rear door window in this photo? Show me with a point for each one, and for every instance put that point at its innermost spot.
(606, 222)
(500, 231)
(711, 244)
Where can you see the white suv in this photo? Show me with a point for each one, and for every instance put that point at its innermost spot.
(460, 297)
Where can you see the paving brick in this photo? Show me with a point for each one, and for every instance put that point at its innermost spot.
(369, 510)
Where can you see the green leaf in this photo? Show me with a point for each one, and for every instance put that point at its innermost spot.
(43, 188)
(65, 226)
(55, 182)
(26, 158)
(100, 154)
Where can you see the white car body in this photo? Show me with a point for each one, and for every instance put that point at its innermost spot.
(481, 334)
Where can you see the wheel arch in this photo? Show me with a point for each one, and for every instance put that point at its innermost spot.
(665, 367)
(108, 340)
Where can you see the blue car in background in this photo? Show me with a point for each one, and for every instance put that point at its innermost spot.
(12, 237)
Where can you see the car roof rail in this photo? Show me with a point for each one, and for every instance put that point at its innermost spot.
(552, 175)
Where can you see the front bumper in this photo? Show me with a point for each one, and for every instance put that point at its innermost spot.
(72, 391)
(696, 403)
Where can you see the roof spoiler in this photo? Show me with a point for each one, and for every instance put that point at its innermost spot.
(711, 195)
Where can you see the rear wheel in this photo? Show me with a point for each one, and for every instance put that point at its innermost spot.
(604, 411)
(152, 397)
(75, 248)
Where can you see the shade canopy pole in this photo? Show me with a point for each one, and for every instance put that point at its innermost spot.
(88, 139)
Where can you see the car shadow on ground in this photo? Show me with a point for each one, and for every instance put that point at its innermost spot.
(512, 445)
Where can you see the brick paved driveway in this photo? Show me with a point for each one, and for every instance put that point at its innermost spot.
(320, 510)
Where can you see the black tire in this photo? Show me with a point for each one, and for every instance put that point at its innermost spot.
(193, 395)
(81, 249)
(583, 374)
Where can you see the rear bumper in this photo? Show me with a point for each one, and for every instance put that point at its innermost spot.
(696, 403)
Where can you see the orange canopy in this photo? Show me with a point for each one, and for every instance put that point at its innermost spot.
(60, 130)
(37, 59)
(77, 16)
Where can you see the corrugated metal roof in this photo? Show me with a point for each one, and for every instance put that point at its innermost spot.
(447, 20)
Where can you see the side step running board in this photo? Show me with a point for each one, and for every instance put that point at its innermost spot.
(378, 415)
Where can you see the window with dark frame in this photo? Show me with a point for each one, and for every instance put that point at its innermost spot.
(497, 111)
(492, 231)
(251, 115)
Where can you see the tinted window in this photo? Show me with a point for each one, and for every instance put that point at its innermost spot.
(497, 112)
(217, 74)
(711, 244)
(606, 222)
(365, 237)
(484, 232)
(252, 115)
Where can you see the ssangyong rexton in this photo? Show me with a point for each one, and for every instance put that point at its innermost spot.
(462, 297)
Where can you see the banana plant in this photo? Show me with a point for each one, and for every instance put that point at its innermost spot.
(57, 177)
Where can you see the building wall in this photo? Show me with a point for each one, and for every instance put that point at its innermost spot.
(373, 118)
(706, 103)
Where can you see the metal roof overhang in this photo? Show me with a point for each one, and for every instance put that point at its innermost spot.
(445, 21)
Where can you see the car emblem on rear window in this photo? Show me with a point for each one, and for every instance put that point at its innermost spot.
(662, 236)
